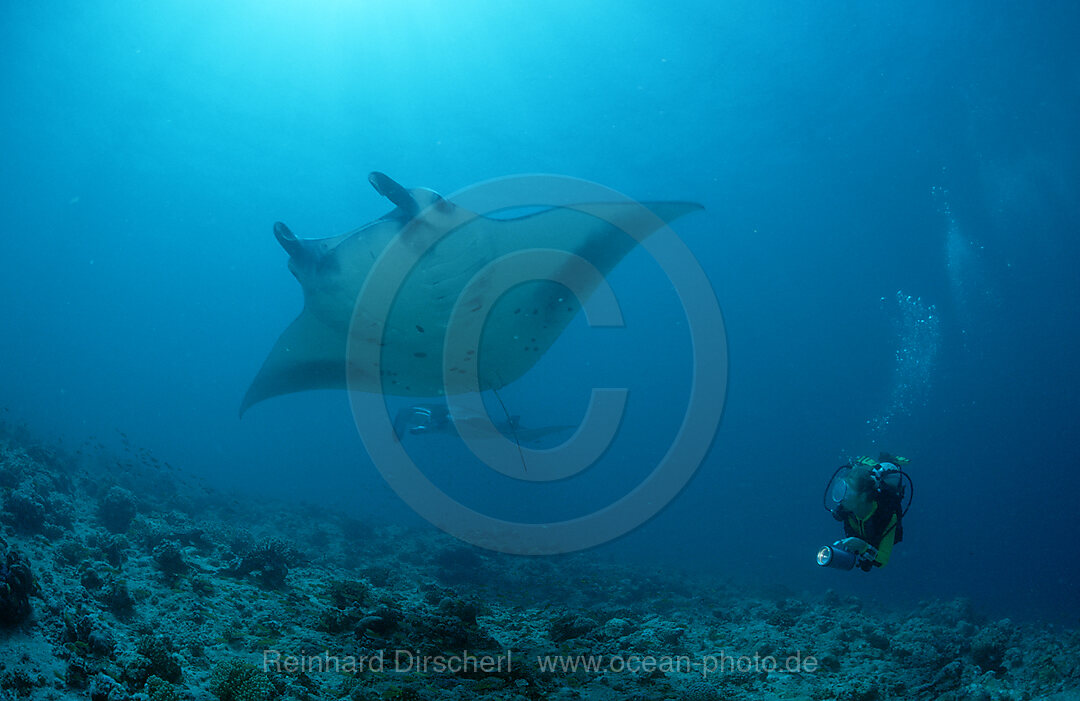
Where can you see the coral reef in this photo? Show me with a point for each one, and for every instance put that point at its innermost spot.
(142, 588)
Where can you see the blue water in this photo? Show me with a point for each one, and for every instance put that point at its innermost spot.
(890, 229)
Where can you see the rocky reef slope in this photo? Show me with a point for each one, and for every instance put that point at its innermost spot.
(122, 580)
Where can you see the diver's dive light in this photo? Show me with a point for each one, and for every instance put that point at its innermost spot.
(833, 556)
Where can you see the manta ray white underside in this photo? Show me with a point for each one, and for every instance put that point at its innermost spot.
(517, 325)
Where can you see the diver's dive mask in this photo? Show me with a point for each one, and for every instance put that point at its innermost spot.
(836, 491)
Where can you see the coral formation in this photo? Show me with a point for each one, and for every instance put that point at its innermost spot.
(269, 561)
(16, 586)
(235, 680)
(117, 510)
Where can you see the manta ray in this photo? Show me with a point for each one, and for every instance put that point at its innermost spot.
(514, 325)
(428, 419)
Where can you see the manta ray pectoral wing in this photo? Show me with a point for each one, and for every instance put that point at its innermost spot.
(532, 435)
(634, 220)
(308, 355)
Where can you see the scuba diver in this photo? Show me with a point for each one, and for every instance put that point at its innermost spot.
(871, 498)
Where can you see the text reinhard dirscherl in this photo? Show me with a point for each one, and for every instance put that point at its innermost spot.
(466, 662)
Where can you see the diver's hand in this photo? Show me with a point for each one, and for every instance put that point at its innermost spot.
(854, 545)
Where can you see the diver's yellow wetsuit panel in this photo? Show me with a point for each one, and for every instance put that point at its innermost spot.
(884, 548)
